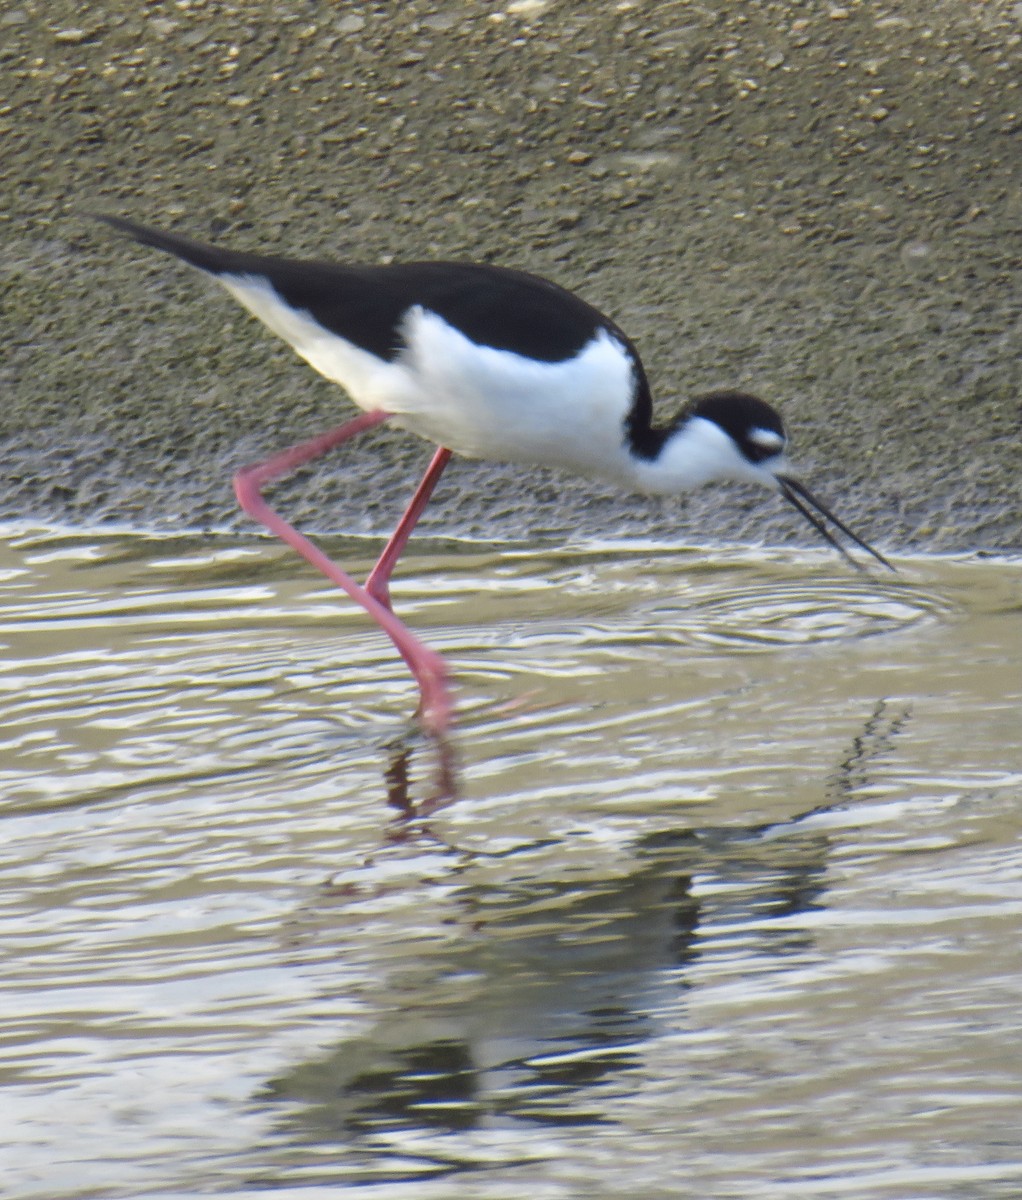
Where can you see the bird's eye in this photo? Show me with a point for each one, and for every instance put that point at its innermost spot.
(761, 444)
(767, 439)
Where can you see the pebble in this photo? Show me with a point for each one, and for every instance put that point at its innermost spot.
(915, 251)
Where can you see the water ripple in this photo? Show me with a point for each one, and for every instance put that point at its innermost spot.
(739, 836)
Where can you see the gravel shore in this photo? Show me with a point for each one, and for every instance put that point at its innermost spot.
(820, 203)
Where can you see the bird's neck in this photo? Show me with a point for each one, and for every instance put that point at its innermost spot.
(685, 455)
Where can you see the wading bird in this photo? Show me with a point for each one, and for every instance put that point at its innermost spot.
(486, 362)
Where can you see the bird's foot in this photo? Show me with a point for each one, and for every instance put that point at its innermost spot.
(436, 705)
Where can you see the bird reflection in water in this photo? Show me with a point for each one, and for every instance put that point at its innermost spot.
(564, 980)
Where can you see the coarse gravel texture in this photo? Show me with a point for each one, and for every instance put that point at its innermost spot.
(817, 202)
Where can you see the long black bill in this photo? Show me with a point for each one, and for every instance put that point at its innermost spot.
(814, 510)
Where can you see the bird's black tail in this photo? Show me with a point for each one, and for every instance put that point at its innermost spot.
(198, 254)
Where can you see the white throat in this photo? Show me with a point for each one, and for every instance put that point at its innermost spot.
(698, 452)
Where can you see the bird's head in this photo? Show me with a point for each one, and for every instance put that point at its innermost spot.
(741, 437)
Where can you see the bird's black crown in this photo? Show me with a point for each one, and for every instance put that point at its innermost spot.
(741, 415)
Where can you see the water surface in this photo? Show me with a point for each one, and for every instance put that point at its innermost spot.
(730, 903)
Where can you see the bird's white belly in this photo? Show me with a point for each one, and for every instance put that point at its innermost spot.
(487, 403)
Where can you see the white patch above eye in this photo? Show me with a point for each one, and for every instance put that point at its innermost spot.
(769, 439)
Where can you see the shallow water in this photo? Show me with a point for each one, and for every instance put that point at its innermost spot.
(730, 904)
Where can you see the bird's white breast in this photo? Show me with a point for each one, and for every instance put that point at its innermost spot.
(488, 403)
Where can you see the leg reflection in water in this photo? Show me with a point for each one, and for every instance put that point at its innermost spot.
(397, 777)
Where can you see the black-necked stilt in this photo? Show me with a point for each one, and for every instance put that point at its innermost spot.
(490, 363)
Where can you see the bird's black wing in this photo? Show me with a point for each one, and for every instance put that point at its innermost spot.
(367, 305)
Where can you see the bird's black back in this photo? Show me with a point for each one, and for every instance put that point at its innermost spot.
(493, 306)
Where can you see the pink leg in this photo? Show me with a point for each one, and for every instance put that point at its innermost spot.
(378, 583)
(429, 669)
